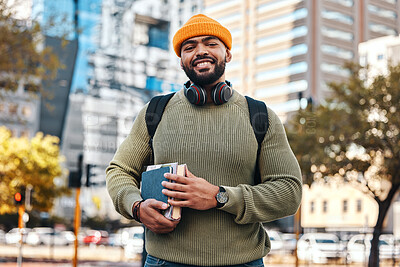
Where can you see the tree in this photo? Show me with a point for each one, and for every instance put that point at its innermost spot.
(35, 162)
(24, 58)
(354, 135)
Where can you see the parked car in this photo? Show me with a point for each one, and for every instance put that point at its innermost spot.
(134, 245)
(35, 237)
(276, 242)
(2, 237)
(359, 247)
(96, 237)
(320, 247)
(289, 243)
(14, 236)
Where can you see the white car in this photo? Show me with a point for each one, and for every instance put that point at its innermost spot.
(14, 236)
(359, 247)
(319, 247)
(35, 237)
(276, 242)
(134, 246)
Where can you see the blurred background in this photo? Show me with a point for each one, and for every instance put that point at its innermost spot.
(75, 73)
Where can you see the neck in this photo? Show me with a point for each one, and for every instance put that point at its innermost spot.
(209, 87)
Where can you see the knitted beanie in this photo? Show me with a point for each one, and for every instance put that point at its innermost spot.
(199, 25)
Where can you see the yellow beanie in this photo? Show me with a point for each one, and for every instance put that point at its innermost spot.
(199, 25)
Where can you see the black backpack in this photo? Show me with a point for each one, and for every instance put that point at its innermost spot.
(258, 119)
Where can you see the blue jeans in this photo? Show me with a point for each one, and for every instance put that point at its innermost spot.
(153, 261)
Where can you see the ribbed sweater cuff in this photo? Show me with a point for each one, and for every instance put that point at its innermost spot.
(129, 200)
(235, 198)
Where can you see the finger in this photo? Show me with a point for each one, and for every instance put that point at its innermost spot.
(176, 178)
(174, 186)
(189, 174)
(179, 203)
(175, 194)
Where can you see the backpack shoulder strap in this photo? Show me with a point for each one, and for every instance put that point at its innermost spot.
(259, 121)
(154, 112)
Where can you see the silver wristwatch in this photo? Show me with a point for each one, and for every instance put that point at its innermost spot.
(221, 197)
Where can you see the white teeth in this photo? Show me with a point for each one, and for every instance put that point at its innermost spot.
(203, 63)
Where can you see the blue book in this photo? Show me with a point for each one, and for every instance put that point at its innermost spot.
(151, 184)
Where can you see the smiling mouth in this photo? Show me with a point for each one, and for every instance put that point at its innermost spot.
(203, 62)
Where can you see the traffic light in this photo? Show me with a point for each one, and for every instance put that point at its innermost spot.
(75, 176)
(19, 198)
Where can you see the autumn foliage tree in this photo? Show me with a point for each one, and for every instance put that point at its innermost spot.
(354, 135)
(24, 162)
(24, 58)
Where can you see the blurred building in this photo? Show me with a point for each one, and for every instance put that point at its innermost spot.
(20, 110)
(378, 52)
(285, 51)
(337, 207)
(132, 62)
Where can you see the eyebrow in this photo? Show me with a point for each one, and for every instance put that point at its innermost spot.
(203, 40)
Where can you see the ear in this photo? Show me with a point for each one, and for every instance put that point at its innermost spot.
(181, 63)
(228, 55)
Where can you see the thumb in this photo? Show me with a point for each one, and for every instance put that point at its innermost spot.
(158, 205)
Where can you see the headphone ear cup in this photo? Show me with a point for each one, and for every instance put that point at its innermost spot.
(221, 93)
(195, 95)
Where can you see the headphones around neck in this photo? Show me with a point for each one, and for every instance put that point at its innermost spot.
(196, 95)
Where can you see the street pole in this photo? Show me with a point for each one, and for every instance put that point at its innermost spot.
(21, 212)
(76, 226)
(297, 231)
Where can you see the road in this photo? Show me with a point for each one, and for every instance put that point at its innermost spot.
(102, 256)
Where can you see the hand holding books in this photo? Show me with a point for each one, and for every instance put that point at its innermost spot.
(192, 191)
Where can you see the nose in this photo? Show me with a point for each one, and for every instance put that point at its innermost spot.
(201, 50)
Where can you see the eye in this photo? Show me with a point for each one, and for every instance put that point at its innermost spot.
(212, 44)
(187, 48)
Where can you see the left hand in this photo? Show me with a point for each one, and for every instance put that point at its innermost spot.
(191, 191)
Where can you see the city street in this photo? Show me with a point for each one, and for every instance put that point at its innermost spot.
(44, 256)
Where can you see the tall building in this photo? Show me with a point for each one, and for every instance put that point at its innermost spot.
(132, 62)
(287, 50)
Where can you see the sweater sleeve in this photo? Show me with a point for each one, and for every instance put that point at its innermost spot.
(123, 172)
(279, 194)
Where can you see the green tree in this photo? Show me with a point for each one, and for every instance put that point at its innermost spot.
(24, 162)
(354, 135)
(23, 54)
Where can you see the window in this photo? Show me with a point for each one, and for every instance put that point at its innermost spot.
(287, 18)
(292, 69)
(272, 5)
(335, 69)
(325, 206)
(293, 51)
(382, 29)
(359, 205)
(337, 34)
(13, 108)
(345, 206)
(336, 51)
(312, 207)
(380, 57)
(283, 89)
(347, 3)
(337, 16)
(284, 36)
(382, 12)
(26, 111)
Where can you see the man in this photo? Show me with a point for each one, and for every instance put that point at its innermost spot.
(206, 125)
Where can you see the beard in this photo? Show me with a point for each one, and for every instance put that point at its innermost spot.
(206, 77)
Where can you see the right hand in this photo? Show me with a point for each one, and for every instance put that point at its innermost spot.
(152, 218)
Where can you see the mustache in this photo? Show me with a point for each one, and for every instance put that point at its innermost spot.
(201, 58)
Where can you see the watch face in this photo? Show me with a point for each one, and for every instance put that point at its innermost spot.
(222, 197)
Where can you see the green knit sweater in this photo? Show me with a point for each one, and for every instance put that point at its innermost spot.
(218, 144)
